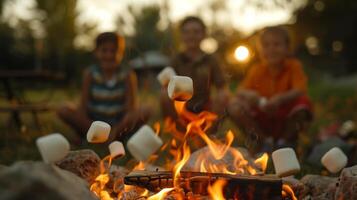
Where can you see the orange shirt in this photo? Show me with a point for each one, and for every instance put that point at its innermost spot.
(263, 80)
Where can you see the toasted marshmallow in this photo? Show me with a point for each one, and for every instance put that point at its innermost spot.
(144, 143)
(165, 75)
(116, 148)
(180, 88)
(53, 147)
(98, 132)
(334, 160)
(285, 162)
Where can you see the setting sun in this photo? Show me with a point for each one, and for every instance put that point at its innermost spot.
(242, 53)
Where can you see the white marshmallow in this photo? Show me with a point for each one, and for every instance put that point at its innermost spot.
(285, 162)
(165, 75)
(53, 147)
(98, 132)
(180, 88)
(116, 148)
(334, 160)
(144, 143)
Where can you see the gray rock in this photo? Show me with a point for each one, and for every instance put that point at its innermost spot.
(320, 149)
(83, 163)
(40, 181)
(318, 187)
(347, 186)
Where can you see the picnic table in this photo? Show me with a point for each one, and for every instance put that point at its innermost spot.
(16, 103)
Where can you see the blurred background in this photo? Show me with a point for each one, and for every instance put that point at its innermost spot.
(45, 45)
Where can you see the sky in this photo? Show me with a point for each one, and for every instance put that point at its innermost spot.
(105, 12)
(246, 20)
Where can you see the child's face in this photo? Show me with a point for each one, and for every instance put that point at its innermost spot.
(108, 55)
(272, 48)
(192, 35)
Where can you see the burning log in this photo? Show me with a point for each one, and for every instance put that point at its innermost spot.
(237, 186)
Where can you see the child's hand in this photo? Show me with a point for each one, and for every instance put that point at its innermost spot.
(250, 96)
(272, 105)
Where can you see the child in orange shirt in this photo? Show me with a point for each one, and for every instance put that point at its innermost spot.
(272, 100)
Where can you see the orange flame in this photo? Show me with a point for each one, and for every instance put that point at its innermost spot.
(202, 167)
(194, 126)
(98, 187)
(170, 126)
(160, 195)
(177, 168)
(105, 164)
(218, 150)
(198, 124)
(262, 162)
(157, 127)
(216, 190)
(288, 191)
(139, 166)
(179, 106)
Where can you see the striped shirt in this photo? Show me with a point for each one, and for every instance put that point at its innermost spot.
(107, 98)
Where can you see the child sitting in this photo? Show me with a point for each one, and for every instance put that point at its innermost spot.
(203, 68)
(108, 92)
(272, 101)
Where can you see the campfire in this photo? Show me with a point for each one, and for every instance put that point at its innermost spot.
(215, 171)
(210, 178)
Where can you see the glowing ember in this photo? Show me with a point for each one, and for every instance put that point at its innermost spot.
(145, 193)
(161, 195)
(99, 184)
(216, 190)
(98, 187)
(288, 192)
(186, 155)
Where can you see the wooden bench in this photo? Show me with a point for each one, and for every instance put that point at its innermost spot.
(16, 103)
(16, 110)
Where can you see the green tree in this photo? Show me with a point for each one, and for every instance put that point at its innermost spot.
(146, 36)
(60, 30)
(330, 21)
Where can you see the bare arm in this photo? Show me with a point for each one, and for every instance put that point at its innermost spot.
(251, 96)
(288, 96)
(131, 102)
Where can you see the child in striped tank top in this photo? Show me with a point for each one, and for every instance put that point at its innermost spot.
(108, 92)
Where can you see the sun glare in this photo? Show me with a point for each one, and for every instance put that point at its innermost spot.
(242, 53)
